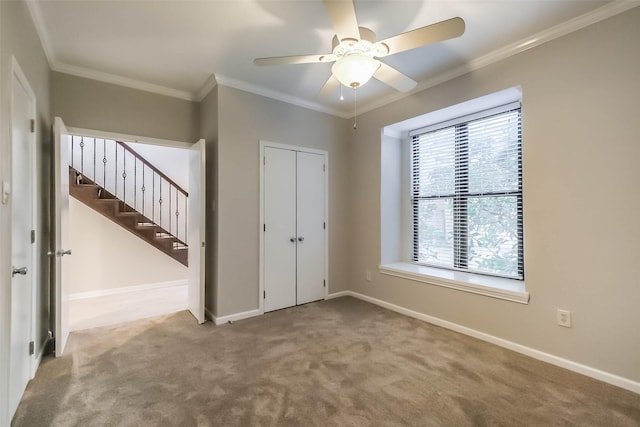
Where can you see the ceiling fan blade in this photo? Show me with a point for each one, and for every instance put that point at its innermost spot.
(299, 59)
(343, 17)
(394, 78)
(444, 30)
(329, 87)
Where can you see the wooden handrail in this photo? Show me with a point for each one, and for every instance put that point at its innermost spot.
(153, 168)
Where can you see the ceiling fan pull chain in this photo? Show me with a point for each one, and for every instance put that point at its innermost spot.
(341, 95)
(355, 107)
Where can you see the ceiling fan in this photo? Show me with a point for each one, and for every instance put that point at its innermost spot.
(356, 53)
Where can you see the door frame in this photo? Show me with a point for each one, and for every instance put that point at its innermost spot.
(151, 141)
(268, 144)
(34, 359)
(60, 215)
(197, 235)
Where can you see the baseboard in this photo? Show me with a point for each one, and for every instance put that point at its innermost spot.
(236, 316)
(252, 313)
(38, 360)
(125, 289)
(340, 294)
(39, 356)
(589, 371)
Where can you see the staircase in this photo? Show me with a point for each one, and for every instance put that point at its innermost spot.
(167, 235)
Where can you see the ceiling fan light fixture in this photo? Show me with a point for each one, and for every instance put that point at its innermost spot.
(355, 70)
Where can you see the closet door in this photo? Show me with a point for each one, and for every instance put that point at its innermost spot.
(280, 228)
(310, 209)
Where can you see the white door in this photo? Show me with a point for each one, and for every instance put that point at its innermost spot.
(61, 143)
(23, 259)
(310, 208)
(279, 228)
(196, 242)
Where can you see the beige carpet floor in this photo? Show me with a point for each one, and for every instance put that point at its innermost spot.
(342, 362)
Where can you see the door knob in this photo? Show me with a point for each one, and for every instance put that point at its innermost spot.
(301, 239)
(22, 271)
(292, 240)
(59, 253)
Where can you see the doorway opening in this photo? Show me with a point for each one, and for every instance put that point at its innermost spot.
(124, 209)
(128, 215)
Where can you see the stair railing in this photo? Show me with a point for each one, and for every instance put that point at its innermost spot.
(127, 175)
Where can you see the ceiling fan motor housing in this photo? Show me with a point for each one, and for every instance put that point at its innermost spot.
(366, 45)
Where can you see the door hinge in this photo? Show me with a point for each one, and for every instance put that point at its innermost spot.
(264, 160)
(264, 227)
(324, 167)
(324, 283)
(33, 125)
(324, 225)
(32, 348)
(264, 294)
(33, 236)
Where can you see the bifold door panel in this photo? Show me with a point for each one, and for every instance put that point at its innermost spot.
(310, 227)
(279, 229)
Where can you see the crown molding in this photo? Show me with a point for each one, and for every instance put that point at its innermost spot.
(122, 81)
(206, 88)
(279, 96)
(611, 9)
(36, 16)
(41, 29)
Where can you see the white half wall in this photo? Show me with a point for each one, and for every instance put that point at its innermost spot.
(106, 256)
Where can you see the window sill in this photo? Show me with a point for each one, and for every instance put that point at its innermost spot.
(496, 287)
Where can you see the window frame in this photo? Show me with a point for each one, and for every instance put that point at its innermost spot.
(461, 194)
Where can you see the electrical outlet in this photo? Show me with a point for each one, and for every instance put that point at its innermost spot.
(564, 318)
(368, 276)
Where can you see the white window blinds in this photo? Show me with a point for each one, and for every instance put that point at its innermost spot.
(467, 193)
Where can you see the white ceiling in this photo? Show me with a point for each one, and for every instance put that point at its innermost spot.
(175, 47)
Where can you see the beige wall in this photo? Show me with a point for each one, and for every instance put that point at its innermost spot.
(209, 131)
(95, 105)
(107, 256)
(244, 119)
(19, 38)
(581, 98)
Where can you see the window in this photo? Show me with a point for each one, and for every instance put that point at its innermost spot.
(466, 193)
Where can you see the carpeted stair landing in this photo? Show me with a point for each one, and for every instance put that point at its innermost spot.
(341, 362)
